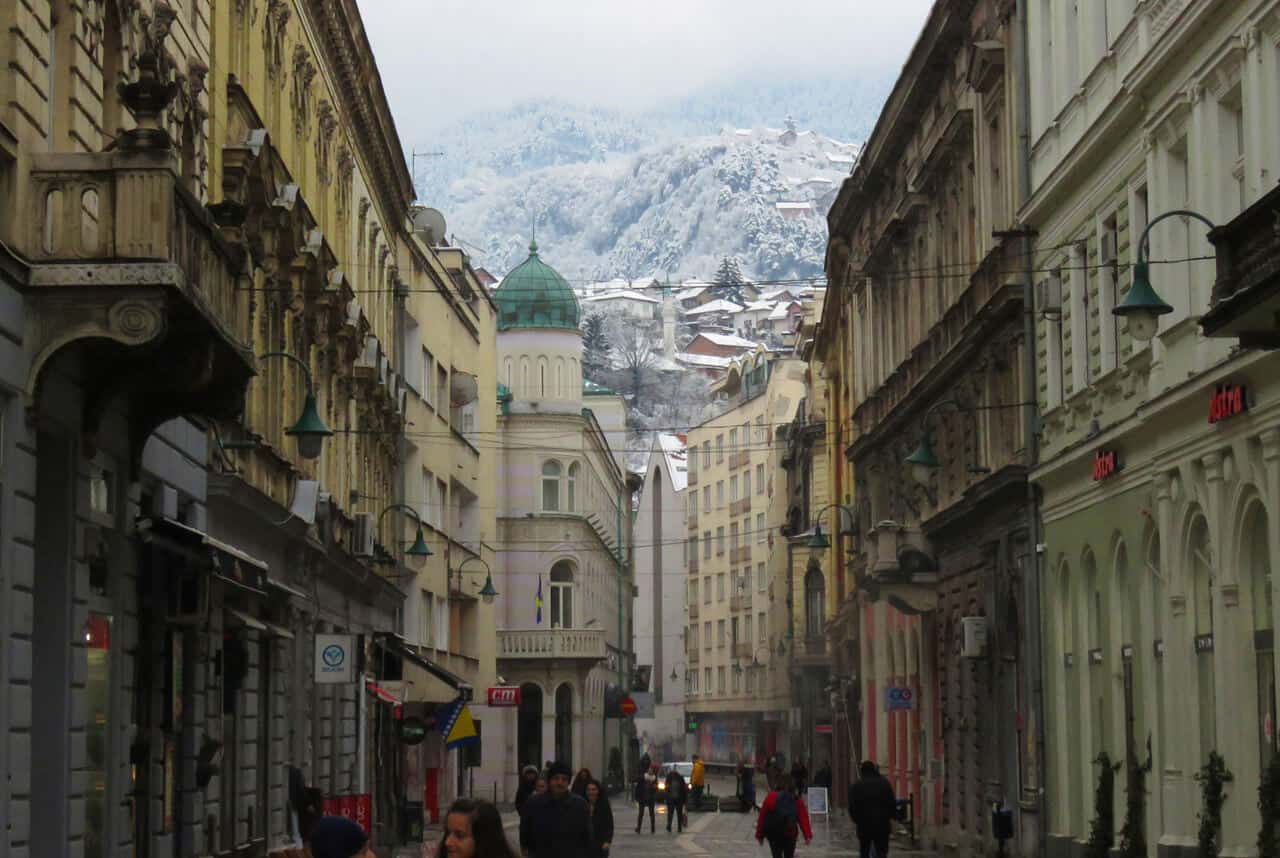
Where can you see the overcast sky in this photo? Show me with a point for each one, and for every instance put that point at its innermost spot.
(443, 59)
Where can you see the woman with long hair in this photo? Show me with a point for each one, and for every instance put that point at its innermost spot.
(601, 820)
(580, 781)
(473, 829)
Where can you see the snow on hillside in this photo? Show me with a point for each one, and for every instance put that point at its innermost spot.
(678, 208)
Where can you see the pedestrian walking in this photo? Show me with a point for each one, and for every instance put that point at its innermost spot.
(799, 776)
(783, 818)
(698, 782)
(823, 777)
(601, 820)
(646, 796)
(473, 829)
(528, 780)
(556, 823)
(746, 786)
(580, 781)
(339, 837)
(871, 807)
(676, 797)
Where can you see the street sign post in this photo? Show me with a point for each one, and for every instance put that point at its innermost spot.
(335, 659)
(897, 698)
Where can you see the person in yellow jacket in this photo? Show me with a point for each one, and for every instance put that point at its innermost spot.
(697, 780)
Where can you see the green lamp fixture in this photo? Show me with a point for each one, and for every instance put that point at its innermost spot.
(1142, 307)
(310, 430)
(419, 551)
(923, 461)
(488, 592)
(818, 540)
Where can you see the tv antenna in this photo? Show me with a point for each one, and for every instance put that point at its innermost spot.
(414, 156)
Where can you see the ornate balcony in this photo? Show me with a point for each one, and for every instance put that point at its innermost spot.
(1246, 294)
(901, 568)
(129, 267)
(739, 459)
(531, 644)
(741, 554)
(740, 603)
(740, 507)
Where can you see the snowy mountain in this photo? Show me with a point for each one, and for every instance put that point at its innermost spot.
(667, 191)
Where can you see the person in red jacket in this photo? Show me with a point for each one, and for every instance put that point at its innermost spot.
(783, 818)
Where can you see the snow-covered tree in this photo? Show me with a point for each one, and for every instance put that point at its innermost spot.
(595, 347)
(729, 279)
(635, 359)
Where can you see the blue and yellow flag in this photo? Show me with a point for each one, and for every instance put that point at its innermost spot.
(538, 601)
(457, 725)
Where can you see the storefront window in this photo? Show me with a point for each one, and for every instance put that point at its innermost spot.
(97, 734)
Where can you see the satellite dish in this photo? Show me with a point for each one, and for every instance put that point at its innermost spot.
(430, 224)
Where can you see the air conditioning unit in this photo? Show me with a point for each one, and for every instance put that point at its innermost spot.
(1049, 298)
(362, 534)
(973, 637)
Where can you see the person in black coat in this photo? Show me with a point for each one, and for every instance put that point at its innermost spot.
(676, 795)
(557, 823)
(528, 779)
(871, 807)
(601, 820)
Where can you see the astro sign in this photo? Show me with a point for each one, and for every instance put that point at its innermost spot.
(1228, 400)
(1106, 464)
(335, 659)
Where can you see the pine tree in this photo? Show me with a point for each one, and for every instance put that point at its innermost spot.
(595, 347)
(729, 279)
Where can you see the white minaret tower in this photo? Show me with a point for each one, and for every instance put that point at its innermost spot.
(668, 322)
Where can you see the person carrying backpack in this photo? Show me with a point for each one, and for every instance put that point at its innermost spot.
(783, 818)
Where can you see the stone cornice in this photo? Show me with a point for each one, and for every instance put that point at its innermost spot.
(350, 57)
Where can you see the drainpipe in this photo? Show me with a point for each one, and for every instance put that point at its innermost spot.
(1031, 420)
(622, 494)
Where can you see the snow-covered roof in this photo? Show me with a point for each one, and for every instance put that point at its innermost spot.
(793, 291)
(780, 311)
(628, 294)
(720, 305)
(819, 180)
(794, 207)
(704, 361)
(839, 158)
(691, 292)
(728, 340)
(673, 450)
(757, 306)
(742, 132)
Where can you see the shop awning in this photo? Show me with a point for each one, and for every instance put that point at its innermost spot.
(384, 694)
(278, 585)
(400, 647)
(245, 620)
(227, 562)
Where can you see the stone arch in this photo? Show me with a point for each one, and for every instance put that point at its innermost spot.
(529, 716)
(1251, 545)
(1198, 561)
(565, 708)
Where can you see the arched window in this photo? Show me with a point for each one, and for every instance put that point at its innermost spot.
(551, 486)
(561, 392)
(524, 377)
(507, 367)
(571, 504)
(562, 595)
(815, 601)
(1200, 562)
(1257, 561)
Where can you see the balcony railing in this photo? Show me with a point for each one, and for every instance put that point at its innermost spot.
(693, 656)
(552, 643)
(693, 610)
(739, 459)
(741, 554)
(742, 650)
(740, 507)
(692, 477)
(740, 603)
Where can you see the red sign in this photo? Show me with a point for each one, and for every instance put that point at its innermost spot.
(1228, 400)
(347, 806)
(504, 695)
(357, 807)
(823, 729)
(1106, 463)
(364, 812)
(627, 706)
(332, 806)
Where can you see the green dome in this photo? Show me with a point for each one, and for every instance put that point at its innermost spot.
(534, 295)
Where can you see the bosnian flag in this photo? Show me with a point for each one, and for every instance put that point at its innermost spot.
(538, 601)
(457, 725)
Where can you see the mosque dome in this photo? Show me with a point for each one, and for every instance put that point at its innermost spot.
(534, 295)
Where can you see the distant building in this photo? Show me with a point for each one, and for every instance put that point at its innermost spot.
(794, 210)
(719, 345)
(626, 303)
(660, 606)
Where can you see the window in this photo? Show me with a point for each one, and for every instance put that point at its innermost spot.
(706, 675)
(706, 545)
(733, 631)
(720, 540)
(733, 440)
(760, 429)
(720, 587)
(746, 629)
(693, 550)
(720, 680)
(426, 620)
(706, 454)
(762, 627)
(720, 636)
(442, 391)
(759, 479)
(719, 494)
(551, 486)
(442, 501)
(706, 590)
(562, 595)
(762, 531)
(692, 470)
(1076, 261)
(751, 681)
(733, 489)
(693, 596)
(428, 486)
(706, 631)
(719, 449)
(428, 384)
(737, 681)
(1108, 281)
(571, 503)
(762, 580)
(815, 595)
(706, 498)
(733, 536)
(693, 638)
(1053, 365)
(746, 484)
(692, 676)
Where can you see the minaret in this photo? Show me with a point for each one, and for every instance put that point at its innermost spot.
(668, 322)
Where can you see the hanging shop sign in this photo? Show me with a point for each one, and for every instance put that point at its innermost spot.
(1227, 401)
(1106, 463)
(411, 731)
(335, 659)
(1204, 643)
(899, 698)
(504, 695)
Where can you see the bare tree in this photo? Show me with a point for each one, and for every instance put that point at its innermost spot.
(635, 358)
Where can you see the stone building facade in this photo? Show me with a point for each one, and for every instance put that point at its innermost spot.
(1159, 447)
(928, 321)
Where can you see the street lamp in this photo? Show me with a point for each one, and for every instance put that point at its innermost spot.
(309, 430)
(1143, 306)
(818, 541)
(756, 663)
(488, 592)
(417, 553)
(923, 461)
(674, 676)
